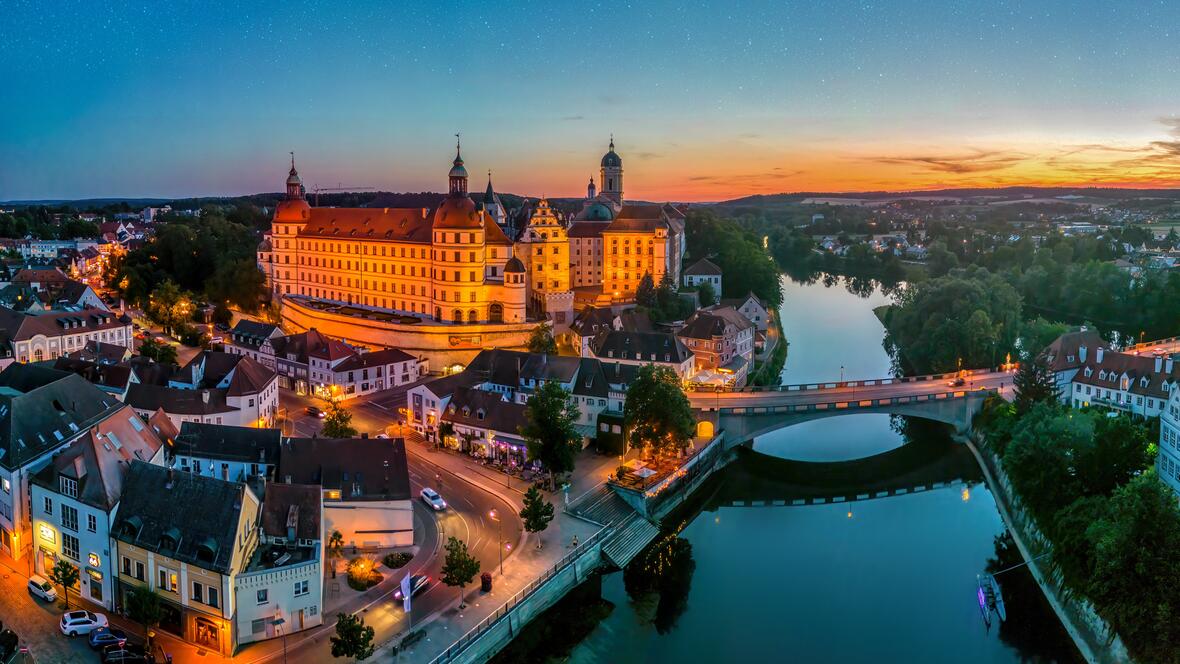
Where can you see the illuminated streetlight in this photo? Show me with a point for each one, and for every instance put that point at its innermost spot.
(499, 537)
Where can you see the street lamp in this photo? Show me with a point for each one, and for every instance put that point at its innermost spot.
(499, 537)
(278, 623)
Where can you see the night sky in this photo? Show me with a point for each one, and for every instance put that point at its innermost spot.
(706, 100)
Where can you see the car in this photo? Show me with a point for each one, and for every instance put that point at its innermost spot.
(41, 588)
(222, 326)
(105, 636)
(431, 498)
(74, 623)
(958, 382)
(382, 435)
(118, 653)
(217, 339)
(316, 412)
(418, 583)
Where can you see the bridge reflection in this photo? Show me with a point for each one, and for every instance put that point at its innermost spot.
(928, 460)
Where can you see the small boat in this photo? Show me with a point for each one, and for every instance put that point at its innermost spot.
(990, 598)
(984, 602)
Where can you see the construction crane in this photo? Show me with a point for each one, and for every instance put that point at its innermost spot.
(339, 187)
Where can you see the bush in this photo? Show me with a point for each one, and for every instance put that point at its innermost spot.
(362, 574)
(397, 560)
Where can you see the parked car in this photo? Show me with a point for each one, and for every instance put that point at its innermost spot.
(316, 412)
(41, 588)
(217, 339)
(418, 583)
(74, 623)
(105, 636)
(431, 498)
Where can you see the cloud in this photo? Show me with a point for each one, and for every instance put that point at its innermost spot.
(742, 179)
(1173, 125)
(648, 155)
(980, 161)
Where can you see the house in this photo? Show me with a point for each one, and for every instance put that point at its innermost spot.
(42, 411)
(365, 373)
(281, 590)
(703, 271)
(592, 321)
(365, 483)
(76, 495)
(486, 424)
(214, 387)
(1133, 384)
(231, 453)
(36, 290)
(33, 338)
(722, 343)
(247, 338)
(101, 353)
(187, 538)
(640, 348)
(752, 308)
(114, 379)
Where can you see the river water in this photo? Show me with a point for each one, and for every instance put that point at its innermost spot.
(882, 580)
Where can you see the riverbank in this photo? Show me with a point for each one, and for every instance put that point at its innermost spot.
(1089, 632)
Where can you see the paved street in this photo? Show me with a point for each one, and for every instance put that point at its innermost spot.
(35, 622)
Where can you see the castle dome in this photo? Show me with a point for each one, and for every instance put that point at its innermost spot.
(611, 159)
(514, 265)
(457, 212)
(295, 209)
(598, 212)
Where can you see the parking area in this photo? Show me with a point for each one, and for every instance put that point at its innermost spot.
(35, 622)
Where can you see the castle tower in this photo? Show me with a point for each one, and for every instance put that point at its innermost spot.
(612, 175)
(290, 216)
(459, 248)
(513, 307)
(591, 191)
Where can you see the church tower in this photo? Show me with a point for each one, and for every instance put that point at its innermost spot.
(591, 191)
(612, 175)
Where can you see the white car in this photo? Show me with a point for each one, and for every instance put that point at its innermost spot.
(74, 623)
(431, 497)
(40, 587)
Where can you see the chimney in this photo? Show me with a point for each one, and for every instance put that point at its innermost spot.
(79, 467)
(1159, 363)
(1169, 364)
(1081, 353)
(292, 521)
(205, 396)
(1098, 354)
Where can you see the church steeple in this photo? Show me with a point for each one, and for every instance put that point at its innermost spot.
(294, 182)
(612, 174)
(591, 192)
(458, 174)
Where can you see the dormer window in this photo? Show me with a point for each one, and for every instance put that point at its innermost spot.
(69, 487)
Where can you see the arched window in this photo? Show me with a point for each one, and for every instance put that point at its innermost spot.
(38, 355)
(457, 316)
(472, 317)
(496, 313)
(437, 313)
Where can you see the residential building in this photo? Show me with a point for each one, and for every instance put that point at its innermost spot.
(75, 497)
(46, 336)
(722, 343)
(247, 337)
(640, 348)
(703, 271)
(486, 424)
(230, 453)
(366, 373)
(752, 308)
(214, 387)
(42, 411)
(365, 483)
(281, 590)
(187, 538)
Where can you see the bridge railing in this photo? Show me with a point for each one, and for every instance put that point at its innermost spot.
(848, 404)
(1152, 344)
(842, 384)
(516, 600)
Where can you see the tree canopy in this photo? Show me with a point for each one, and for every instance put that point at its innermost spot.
(353, 638)
(541, 340)
(656, 412)
(548, 430)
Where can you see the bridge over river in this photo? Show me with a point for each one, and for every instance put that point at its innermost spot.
(748, 412)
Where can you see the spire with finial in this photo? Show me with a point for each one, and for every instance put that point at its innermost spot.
(612, 140)
(591, 190)
(458, 174)
(294, 182)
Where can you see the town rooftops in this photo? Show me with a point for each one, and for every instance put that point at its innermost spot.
(374, 359)
(98, 461)
(252, 333)
(638, 218)
(22, 327)
(190, 518)
(1066, 350)
(485, 410)
(280, 499)
(111, 377)
(703, 267)
(40, 408)
(177, 400)
(361, 469)
(228, 443)
(640, 346)
(101, 352)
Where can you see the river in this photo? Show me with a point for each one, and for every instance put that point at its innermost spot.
(881, 580)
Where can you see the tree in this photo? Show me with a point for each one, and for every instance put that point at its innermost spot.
(939, 260)
(143, 606)
(1040, 458)
(66, 575)
(335, 549)
(1119, 450)
(706, 294)
(541, 340)
(460, 566)
(445, 430)
(536, 513)
(338, 422)
(353, 638)
(645, 293)
(656, 412)
(549, 431)
(1035, 384)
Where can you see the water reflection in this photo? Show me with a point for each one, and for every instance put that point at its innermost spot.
(663, 572)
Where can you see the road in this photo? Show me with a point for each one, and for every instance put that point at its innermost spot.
(467, 518)
(844, 392)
